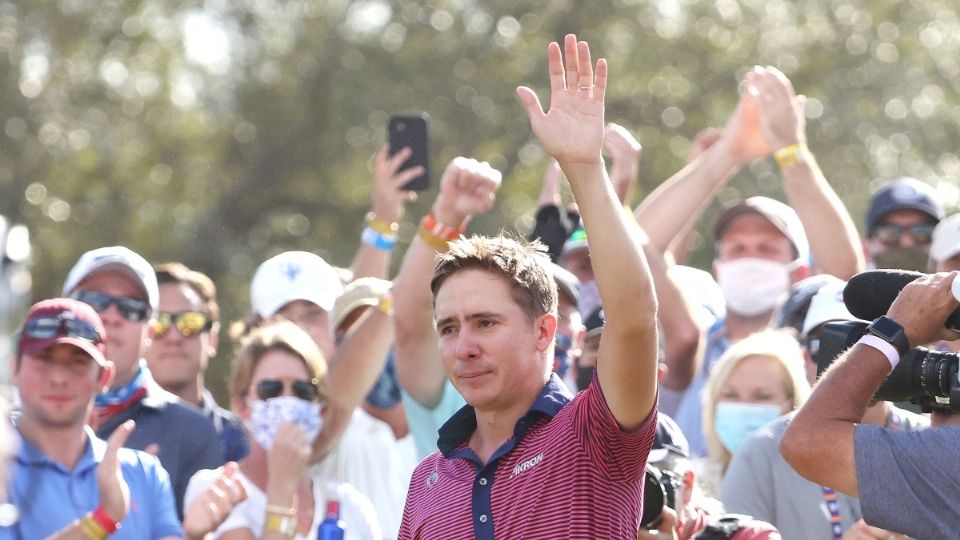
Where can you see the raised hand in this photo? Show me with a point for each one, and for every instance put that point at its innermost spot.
(743, 136)
(702, 141)
(781, 110)
(389, 199)
(286, 463)
(212, 507)
(468, 188)
(625, 150)
(114, 491)
(572, 130)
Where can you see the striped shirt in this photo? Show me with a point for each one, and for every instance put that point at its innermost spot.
(569, 471)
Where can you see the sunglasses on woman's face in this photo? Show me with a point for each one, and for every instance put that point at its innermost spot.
(301, 388)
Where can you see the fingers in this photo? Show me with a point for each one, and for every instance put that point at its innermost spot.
(570, 56)
(555, 63)
(116, 441)
(528, 98)
(585, 68)
(600, 86)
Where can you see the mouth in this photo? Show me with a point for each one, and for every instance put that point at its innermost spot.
(473, 375)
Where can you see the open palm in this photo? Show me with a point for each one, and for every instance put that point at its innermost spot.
(572, 130)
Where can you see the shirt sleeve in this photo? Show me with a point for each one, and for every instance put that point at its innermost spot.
(909, 480)
(424, 422)
(619, 455)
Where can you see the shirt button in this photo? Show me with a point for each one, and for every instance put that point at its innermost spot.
(483, 481)
(483, 518)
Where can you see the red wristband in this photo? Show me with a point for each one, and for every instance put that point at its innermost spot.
(442, 230)
(104, 520)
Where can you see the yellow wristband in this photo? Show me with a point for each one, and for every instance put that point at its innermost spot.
(381, 226)
(791, 155)
(385, 305)
(285, 525)
(433, 240)
(91, 529)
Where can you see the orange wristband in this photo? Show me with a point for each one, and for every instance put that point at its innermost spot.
(104, 520)
(441, 230)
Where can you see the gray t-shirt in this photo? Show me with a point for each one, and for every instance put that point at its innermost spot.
(760, 483)
(910, 481)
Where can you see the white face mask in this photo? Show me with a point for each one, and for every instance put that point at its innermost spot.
(753, 286)
(266, 417)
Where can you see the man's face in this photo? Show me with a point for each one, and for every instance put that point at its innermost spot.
(752, 235)
(570, 323)
(577, 261)
(57, 386)
(127, 340)
(901, 229)
(492, 353)
(175, 361)
(314, 320)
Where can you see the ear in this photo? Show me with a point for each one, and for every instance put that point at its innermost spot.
(801, 272)
(546, 327)
(106, 376)
(867, 252)
(662, 370)
(213, 341)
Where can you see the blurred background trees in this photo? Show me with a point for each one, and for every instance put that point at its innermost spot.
(219, 133)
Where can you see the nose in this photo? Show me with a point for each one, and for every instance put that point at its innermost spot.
(906, 240)
(467, 348)
(110, 316)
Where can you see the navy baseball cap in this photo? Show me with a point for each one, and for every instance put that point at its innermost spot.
(904, 193)
(668, 438)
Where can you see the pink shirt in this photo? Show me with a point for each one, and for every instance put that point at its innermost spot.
(568, 472)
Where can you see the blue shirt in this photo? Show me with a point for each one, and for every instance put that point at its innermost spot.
(690, 413)
(50, 497)
(425, 422)
(234, 443)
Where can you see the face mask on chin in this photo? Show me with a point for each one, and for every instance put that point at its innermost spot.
(902, 258)
(753, 286)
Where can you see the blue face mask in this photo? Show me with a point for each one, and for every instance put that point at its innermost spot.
(736, 421)
(561, 355)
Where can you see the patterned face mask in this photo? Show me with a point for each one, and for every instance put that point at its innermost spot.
(267, 416)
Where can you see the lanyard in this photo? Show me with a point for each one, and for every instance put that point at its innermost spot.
(830, 496)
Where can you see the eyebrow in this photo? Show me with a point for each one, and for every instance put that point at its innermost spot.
(470, 317)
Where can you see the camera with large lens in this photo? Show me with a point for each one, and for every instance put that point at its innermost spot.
(923, 377)
(659, 489)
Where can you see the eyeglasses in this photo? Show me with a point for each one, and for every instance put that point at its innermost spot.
(131, 309)
(302, 388)
(49, 327)
(921, 233)
(188, 323)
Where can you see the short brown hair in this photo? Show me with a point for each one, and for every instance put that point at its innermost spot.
(276, 336)
(178, 273)
(524, 264)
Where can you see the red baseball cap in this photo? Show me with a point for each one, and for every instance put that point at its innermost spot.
(63, 320)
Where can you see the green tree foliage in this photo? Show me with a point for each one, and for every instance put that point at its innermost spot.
(218, 133)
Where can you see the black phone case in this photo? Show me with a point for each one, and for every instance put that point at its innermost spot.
(410, 131)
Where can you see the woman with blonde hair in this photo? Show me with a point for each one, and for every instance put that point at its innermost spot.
(757, 380)
(276, 387)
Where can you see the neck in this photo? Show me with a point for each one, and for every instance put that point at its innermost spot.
(124, 377)
(495, 426)
(741, 326)
(877, 415)
(65, 445)
(191, 392)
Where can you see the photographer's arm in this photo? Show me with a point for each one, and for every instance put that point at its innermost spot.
(819, 444)
(572, 132)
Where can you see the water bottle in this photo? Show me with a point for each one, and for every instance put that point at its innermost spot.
(332, 528)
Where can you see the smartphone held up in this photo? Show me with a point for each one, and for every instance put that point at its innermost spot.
(410, 131)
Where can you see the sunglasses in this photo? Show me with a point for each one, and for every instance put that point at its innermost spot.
(131, 309)
(50, 327)
(304, 389)
(889, 235)
(188, 323)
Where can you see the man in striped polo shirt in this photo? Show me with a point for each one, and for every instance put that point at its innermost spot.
(523, 458)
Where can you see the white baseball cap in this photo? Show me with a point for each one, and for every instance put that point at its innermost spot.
(293, 275)
(120, 259)
(827, 305)
(946, 239)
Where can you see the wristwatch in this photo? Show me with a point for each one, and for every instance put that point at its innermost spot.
(890, 331)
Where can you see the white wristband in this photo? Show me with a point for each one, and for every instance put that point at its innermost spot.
(888, 350)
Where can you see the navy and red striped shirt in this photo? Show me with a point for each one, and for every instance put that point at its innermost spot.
(569, 471)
